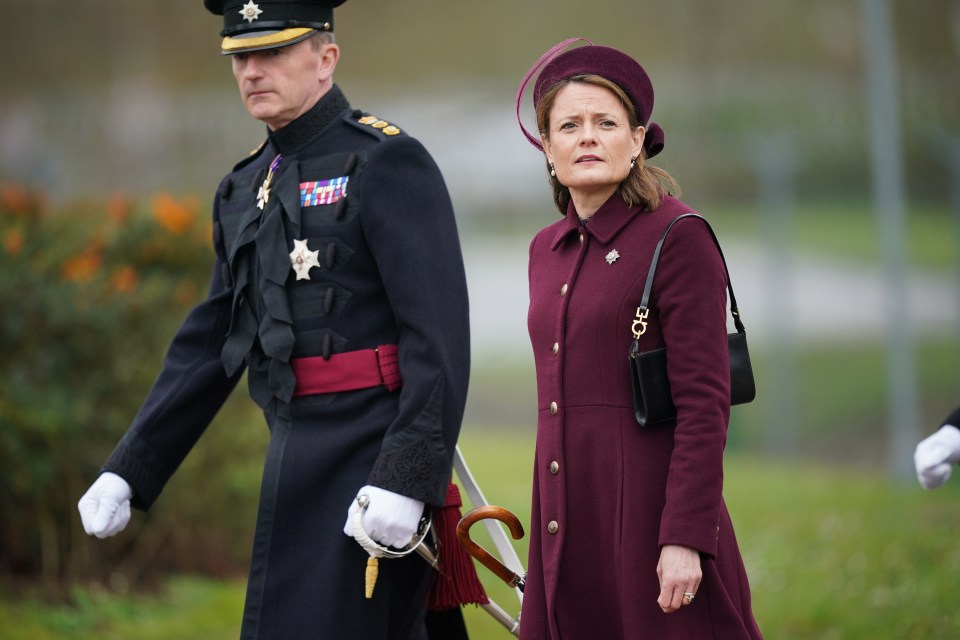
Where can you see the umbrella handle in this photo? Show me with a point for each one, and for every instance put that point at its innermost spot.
(463, 537)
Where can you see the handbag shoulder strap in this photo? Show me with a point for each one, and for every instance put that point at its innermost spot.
(644, 301)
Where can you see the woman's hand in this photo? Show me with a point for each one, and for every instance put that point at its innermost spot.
(679, 573)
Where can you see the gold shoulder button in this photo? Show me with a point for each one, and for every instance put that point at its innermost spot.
(380, 124)
(368, 119)
(391, 130)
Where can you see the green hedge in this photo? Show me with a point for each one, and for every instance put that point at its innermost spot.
(91, 294)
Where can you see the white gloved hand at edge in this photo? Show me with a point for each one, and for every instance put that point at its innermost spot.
(105, 507)
(935, 456)
(390, 519)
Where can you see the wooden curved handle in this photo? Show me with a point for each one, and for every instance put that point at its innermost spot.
(463, 537)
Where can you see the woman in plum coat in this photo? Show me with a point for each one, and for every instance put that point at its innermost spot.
(630, 537)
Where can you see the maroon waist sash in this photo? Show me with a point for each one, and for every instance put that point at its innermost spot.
(348, 371)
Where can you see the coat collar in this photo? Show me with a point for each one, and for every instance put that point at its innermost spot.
(612, 216)
(296, 135)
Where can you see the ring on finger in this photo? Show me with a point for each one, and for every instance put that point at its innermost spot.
(688, 597)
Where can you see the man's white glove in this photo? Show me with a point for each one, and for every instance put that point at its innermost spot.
(935, 456)
(105, 507)
(390, 519)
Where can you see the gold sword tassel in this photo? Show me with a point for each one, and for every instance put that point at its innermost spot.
(373, 562)
(373, 569)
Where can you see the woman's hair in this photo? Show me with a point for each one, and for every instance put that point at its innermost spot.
(644, 185)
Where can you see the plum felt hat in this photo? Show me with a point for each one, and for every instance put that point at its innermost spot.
(557, 65)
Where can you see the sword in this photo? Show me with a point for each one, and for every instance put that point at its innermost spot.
(494, 528)
(512, 624)
(500, 541)
(482, 511)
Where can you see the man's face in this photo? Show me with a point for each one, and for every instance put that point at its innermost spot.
(278, 85)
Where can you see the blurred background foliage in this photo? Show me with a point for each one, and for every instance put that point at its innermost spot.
(143, 91)
(117, 120)
(99, 287)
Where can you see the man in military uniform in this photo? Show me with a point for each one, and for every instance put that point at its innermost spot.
(339, 288)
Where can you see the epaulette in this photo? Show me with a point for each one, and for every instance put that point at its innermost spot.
(372, 124)
(251, 156)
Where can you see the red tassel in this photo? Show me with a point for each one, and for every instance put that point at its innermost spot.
(455, 582)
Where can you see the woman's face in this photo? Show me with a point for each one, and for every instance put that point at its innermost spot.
(589, 140)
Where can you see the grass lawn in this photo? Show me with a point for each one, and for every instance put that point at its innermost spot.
(848, 230)
(830, 554)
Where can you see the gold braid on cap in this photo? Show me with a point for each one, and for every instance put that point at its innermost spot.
(231, 44)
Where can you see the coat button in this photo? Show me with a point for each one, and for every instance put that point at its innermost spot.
(563, 290)
(226, 276)
(553, 527)
(553, 408)
(331, 256)
(328, 301)
(581, 238)
(556, 348)
(554, 467)
(339, 209)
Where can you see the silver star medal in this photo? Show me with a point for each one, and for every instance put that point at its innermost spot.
(250, 11)
(612, 256)
(302, 259)
(263, 196)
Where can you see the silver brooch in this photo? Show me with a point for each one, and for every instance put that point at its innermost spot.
(612, 256)
(302, 259)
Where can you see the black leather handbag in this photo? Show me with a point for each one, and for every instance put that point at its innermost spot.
(652, 399)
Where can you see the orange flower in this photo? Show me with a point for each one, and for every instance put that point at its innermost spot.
(118, 208)
(15, 199)
(13, 241)
(175, 217)
(124, 279)
(81, 267)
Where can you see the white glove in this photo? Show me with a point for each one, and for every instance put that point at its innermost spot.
(105, 507)
(935, 455)
(389, 519)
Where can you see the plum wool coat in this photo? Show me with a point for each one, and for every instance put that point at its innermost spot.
(607, 494)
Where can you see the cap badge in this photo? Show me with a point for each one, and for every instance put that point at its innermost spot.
(612, 256)
(301, 258)
(250, 11)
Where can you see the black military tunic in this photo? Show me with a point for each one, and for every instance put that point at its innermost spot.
(388, 270)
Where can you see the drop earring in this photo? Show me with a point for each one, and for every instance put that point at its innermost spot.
(552, 171)
(633, 162)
